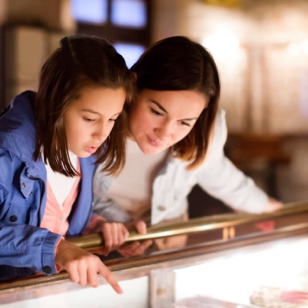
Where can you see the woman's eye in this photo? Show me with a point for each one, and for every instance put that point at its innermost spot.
(155, 112)
(185, 123)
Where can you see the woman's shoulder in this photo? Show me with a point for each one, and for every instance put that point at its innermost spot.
(220, 120)
(219, 133)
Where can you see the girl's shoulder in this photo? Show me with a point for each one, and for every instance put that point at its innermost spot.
(17, 128)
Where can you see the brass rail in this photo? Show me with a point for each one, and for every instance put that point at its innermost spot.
(195, 225)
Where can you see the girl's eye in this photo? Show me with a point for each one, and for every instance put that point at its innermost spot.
(113, 120)
(156, 112)
(88, 119)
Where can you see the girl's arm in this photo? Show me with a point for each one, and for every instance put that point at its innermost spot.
(21, 245)
(83, 266)
(27, 246)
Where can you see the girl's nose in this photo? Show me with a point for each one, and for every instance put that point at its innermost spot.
(101, 133)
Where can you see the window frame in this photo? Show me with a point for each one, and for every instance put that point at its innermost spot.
(119, 34)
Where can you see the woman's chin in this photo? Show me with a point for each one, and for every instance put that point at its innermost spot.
(150, 150)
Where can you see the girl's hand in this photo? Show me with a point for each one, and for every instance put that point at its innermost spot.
(115, 234)
(83, 266)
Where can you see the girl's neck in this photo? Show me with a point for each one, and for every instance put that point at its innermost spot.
(73, 159)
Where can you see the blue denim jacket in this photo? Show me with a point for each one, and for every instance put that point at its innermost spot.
(24, 246)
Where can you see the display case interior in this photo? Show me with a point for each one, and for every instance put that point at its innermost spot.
(250, 267)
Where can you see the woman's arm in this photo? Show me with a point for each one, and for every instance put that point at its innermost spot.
(101, 204)
(220, 178)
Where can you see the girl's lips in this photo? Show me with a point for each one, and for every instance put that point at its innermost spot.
(91, 150)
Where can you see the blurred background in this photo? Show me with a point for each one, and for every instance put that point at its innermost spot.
(261, 49)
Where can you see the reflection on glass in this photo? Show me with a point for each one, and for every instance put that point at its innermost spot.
(246, 276)
(130, 52)
(92, 11)
(129, 13)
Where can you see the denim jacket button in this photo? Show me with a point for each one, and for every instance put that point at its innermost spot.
(13, 218)
(162, 208)
(47, 269)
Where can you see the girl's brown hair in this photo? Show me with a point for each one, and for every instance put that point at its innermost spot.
(79, 62)
(174, 64)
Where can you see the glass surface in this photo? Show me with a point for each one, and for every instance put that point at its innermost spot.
(272, 274)
(130, 52)
(266, 275)
(91, 11)
(129, 13)
(102, 296)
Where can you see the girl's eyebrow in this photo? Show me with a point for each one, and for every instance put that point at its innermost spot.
(95, 112)
(89, 110)
(164, 110)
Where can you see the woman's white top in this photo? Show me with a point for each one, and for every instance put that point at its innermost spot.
(132, 189)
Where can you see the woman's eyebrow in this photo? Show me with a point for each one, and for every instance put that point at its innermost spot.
(190, 119)
(164, 110)
(159, 106)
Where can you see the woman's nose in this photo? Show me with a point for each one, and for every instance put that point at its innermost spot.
(165, 131)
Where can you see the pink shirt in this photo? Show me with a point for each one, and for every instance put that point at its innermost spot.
(55, 218)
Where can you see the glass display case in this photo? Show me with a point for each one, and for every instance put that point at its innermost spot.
(251, 268)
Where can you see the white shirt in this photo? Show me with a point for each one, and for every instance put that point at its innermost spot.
(60, 184)
(132, 189)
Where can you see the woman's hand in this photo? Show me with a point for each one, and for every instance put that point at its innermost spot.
(178, 241)
(83, 266)
(272, 205)
(136, 248)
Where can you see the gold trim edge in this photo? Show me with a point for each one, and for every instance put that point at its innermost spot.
(195, 225)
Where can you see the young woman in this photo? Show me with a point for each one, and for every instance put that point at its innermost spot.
(176, 135)
(50, 142)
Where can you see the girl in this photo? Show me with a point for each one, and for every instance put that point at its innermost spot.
(176, 135)
(49, 144)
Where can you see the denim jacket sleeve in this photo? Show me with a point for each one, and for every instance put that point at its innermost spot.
(219, 177)
(21, 244)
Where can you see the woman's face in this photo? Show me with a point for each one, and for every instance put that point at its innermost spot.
(90, 118)
(160, 119)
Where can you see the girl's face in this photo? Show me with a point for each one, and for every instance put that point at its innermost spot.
(89, 119)
(160, 119)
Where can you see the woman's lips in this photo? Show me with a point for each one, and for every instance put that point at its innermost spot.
(154, 143)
